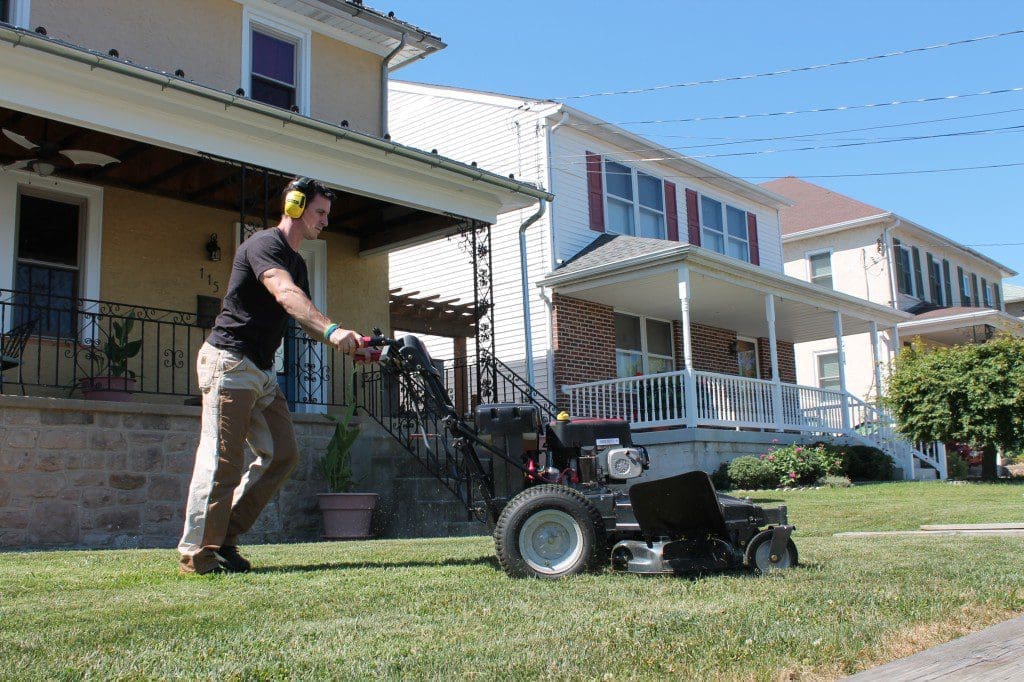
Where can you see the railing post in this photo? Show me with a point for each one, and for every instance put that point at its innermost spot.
(841, 358)
(689, 378)
(769, 308)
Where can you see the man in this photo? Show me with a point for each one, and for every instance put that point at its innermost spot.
(241, 399)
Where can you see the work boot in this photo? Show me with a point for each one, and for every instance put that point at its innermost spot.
(232, 561)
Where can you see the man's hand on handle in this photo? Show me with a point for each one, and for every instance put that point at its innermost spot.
(346, 340)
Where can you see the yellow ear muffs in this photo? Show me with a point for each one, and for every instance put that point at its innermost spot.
(294, 203)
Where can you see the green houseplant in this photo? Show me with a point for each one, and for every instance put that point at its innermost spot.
(118, 381)
(346, 514)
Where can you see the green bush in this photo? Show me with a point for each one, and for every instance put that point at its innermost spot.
(956, 466)
(803, 464)
(749, 472)
(864, 463)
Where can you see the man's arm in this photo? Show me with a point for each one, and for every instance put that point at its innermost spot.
(295, 302)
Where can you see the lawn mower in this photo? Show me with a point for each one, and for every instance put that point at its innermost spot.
(578, 495)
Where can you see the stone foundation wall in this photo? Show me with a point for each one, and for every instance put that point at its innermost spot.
(76, 473)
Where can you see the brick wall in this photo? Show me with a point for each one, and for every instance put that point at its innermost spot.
(787, 360)
(75, 473)
(584, 341)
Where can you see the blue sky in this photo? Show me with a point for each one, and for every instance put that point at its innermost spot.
(562, 48)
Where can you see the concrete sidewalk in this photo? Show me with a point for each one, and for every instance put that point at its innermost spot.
(995, 653)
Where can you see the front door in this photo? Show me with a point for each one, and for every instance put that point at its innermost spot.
(746, 358)
(302, 369)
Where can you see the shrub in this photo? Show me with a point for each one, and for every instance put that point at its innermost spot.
(801, 464)
(720, 479)
(864, 463)
(751, 472)
(956, 466)
(835, 482)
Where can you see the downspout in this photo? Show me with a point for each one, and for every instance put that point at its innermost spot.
(384, 74)
(525, 284)
(553, 246)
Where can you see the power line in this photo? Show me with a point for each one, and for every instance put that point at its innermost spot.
(817, 110)
(796, 69)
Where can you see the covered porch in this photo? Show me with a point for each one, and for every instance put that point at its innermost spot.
(699, 290)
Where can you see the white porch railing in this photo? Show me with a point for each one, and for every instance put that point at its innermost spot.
(732, 401)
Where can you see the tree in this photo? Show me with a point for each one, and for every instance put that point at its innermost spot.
(968, 394)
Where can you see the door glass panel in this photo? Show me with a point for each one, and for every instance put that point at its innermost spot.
(627, 332)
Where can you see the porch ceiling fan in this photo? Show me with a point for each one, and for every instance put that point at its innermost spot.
(45, 157)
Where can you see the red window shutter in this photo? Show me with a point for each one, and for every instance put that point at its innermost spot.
(595, 192)
(692, 218)
(671, 213)
(755, 254)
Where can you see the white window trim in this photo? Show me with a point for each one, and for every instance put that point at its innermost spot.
(645, 354)
(757, 354)
(636, 196)
(303, 38)
(810, 272)
(725, 223)
(21, 11)
(817, 366)
(13, 183)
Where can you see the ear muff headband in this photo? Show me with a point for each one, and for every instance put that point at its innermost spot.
(295, 199)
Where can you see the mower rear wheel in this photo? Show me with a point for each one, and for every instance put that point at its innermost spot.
(549, 531)
(761, 558)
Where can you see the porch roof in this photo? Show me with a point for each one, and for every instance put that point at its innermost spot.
(641, 275)
(106, 96)
(960, 324)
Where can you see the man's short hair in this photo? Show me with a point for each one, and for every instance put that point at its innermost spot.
(310, 187)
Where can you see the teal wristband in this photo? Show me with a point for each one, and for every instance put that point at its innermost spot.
(330, 330)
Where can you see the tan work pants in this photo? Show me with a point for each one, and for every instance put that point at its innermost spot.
(241, 403)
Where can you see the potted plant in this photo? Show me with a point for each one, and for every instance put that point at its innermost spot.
(119, 381)
(346, 514)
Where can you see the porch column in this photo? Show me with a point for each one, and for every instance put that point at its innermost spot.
(895, 341)
(877, 361)
(769, 309)
(841, 358)
(689, 378)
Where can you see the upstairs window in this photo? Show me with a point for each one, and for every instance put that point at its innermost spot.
(635, 202)
(965, 287)
(904, 273)
(275, 62)
(820, 266)
(642, 346)
(986, 292)
(724, 228)
(935, 280)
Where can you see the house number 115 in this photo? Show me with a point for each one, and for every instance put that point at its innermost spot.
(210, 281)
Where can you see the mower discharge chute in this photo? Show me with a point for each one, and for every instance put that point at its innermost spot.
(582, 496)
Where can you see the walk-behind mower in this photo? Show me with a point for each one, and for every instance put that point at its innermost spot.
(579, 494)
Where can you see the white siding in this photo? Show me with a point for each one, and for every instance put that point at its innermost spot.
(505, 140)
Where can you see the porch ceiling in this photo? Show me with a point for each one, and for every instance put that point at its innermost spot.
(215, 182)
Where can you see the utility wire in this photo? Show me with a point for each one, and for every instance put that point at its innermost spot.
(796, 69)
(847, 107)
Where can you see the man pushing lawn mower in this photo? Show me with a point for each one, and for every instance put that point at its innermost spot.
(241, 399)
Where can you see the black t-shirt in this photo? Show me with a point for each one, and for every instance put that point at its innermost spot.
(251, 322)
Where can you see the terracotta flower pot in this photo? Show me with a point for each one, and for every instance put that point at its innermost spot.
(347, 516)
(117, 389)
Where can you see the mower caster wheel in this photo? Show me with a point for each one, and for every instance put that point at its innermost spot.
(759, 554)
(549, 531)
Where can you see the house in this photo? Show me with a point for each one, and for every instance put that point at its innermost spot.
(140, 142)
(653, 289)
(1013, 299)
(954, 293)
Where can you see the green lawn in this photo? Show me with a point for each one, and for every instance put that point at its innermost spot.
(442, 609)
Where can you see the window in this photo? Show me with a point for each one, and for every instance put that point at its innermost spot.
(275, 61)
(947, 282)
(14, 12)
(986, 293)
(642, 346)
(965, 287)
(919, 290)
(5, 11)
(820, 266)
(724, 228)
(635, 202)
(975, 297)
(934, 280)
(828, 371)
(46, 276)
(746, 358)
(904, 275)
(997, 303)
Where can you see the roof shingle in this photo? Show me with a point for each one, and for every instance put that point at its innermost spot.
(816, 206)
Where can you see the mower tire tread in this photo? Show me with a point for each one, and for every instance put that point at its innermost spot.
(539, 499)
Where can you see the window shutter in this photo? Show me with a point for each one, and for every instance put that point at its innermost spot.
(965, 295)
(918, 279)
(934, 295)
(692, 218)
(948, 281)
(975, 299)
(595, 192)
(985, 300)
(755, 254)
(995, 297)
(671, 212)
(897, 257)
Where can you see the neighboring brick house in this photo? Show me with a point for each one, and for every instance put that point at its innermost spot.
(652, 290)
(179, 124)
(954, 293)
